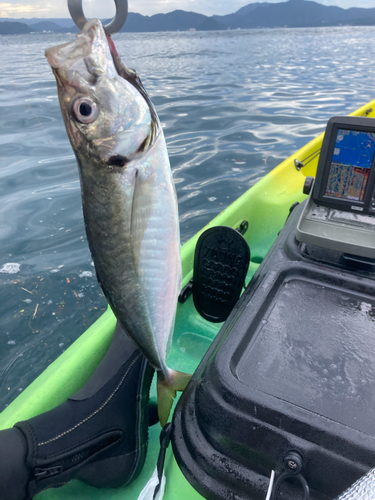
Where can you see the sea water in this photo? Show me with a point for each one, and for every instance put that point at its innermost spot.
(233, 105)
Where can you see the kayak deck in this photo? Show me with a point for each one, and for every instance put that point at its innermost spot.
(265, 206)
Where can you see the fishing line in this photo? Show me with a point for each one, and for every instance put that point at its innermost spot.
(8, 366)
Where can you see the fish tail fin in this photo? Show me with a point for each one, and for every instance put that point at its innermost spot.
(167, 388)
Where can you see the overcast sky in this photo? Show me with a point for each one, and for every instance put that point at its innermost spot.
(106, 9)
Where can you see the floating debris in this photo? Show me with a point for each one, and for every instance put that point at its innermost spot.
(10, 268)
(36, 310)
(86, 274)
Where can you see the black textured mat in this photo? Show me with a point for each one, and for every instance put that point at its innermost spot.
(221, 261)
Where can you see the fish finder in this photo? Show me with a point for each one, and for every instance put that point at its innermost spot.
(340, 212)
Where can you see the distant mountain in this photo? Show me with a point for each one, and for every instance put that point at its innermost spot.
(36, 25)
(295, 14)
(252, 6)
(62, 22)
(51, 26)
(178, 20)
(210, 24)
(299, 13)
(13, 28)
(289, 14)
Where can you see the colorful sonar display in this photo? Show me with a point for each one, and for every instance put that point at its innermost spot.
(351, 163)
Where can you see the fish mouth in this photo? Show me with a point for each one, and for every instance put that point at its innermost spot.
(82, 62)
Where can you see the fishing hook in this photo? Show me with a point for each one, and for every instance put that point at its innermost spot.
(76, 11)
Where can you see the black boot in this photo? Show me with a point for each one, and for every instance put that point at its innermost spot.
(98, 436)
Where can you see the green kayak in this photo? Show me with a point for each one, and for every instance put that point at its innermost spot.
(265, 206)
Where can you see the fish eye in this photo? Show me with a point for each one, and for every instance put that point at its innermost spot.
(85, 110)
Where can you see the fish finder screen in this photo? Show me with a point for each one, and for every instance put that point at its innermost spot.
(351, 164)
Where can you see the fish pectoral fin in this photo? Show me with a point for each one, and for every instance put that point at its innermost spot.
(167, 388)
(143, 203)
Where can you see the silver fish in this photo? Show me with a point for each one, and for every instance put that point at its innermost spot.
(128, 196)
(363, 489)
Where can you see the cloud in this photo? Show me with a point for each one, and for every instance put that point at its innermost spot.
(18, 10)
(34, 8)
(55, 8)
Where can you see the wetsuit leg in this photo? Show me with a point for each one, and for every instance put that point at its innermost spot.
(98, 436)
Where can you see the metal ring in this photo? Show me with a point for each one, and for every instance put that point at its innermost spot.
(76, 11)
(286, 475)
